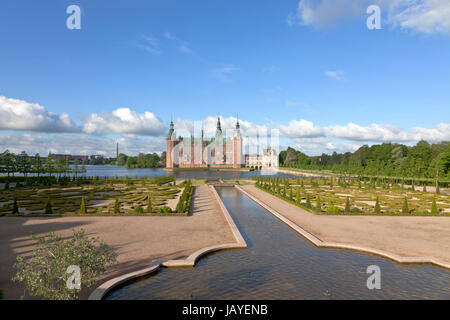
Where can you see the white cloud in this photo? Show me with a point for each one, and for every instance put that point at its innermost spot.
(372, 133)
(423, 16)
(302, 128)
(79, 144)
(125, 121)
(17, 114)
(223, 73)
(150, 45)
(336, 75)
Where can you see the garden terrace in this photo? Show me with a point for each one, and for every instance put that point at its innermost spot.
(356, 197)
(101, 196)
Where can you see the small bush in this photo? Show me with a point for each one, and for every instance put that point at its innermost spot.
(48, 207)
(164, 209)
(138, 210)
(45, 275)
(333, 210)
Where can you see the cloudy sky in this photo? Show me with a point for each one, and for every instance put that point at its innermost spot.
(309, 68)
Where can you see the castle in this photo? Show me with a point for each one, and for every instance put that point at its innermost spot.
(201, 152)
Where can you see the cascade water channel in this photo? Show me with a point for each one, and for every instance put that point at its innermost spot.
(281, 264)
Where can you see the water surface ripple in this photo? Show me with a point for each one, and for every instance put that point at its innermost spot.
(280, 264)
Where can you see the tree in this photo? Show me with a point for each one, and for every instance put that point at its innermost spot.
(308, 201)
(149, 204)
(48, 207)
(298, 198)
(405, 208)
(46, 274)
(24, 164)
(377, 205)
(318, 205)
(15, 207)
(10, 164)
(434, 208)
(59, 166)
(347, 205)
(37, 167)
(49, 168)
(117, 206)
(83, 206)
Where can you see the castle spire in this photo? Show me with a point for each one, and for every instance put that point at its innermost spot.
(172, 128)
(219, 127)
(237, 130)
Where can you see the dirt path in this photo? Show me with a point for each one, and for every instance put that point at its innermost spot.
(139, 241)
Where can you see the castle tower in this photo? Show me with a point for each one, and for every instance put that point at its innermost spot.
(170, 145)
(237, 146)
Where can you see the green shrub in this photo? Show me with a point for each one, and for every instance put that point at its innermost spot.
(138, 210)
(434, 208)
(347, 205)
(15, 209)
(333, 210)
(83, 206)
(45, 274)
(318, 205)
(48, 207)
(377, 206)
(164, 209)
(116, 206)
(356, 210)
(149, 204)
(405, 208)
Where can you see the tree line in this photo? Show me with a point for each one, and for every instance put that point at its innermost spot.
(150, 160)
(10, 164)
(424, 160)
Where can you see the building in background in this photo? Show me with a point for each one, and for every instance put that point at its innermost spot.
(202, 152)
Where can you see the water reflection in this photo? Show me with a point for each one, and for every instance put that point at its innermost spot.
(280, 264)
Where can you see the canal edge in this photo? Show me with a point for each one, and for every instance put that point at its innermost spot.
(190, 261)
(336, 245)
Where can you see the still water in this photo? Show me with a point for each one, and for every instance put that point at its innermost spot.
(280, 264)
(113, 171)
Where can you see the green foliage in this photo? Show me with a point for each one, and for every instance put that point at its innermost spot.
(164, 209)
(347, 205)
(83, 206)
(184, 203)
(377, 206)
(318, 205)
(405, 208)
(333, 210)
(44, 274)
(138, 210)
(48, 207)
(434, 208)
(149, 204)
(116, 206)
(308, 201)
(15, 209)
(387, 159)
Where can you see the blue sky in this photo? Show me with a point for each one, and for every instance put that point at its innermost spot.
(310, 68)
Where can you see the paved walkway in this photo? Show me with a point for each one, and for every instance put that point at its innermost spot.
(139, 241)
(403, 236)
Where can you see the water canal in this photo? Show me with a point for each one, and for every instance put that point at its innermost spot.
(280, 264)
